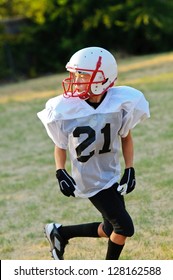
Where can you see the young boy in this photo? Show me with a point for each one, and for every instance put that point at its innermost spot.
(93, 120)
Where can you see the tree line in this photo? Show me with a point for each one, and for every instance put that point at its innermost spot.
(37, 37)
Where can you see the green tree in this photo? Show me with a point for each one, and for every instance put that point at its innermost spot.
(57, 28)
(33, 9)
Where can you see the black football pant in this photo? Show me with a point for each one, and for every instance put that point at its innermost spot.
(112, 207)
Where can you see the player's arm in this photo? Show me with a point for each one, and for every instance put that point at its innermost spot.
(127, 182)
(127, 150)
(65, 181)
(60, 158)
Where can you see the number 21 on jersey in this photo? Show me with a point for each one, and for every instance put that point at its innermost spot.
(91, 137)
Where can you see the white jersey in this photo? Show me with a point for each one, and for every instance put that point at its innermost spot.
(92, 136)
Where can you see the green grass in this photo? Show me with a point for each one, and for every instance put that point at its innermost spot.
(29, 195)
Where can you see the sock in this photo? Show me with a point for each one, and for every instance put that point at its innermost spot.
(82, 230)
(113, 251)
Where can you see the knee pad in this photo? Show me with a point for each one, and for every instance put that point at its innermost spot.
(127, 230)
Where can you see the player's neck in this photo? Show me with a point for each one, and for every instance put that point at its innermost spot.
(96, 98)
(95, 102)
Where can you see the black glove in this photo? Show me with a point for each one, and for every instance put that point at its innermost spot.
(66, 182)
(128, 181)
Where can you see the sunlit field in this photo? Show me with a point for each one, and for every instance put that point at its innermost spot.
(29, 194)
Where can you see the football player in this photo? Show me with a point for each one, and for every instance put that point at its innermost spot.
(93, 119)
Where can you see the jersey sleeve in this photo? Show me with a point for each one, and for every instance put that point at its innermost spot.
(133, 113)
(53, 126)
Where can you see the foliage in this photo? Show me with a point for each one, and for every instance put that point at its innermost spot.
(55, 29)
(24, 8)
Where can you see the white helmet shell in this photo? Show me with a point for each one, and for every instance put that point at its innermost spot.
(97, 62)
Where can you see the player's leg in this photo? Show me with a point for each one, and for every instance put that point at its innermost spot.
(59, 235)
(112, 207)
(115, 243)
(80, 230)
(101, 231)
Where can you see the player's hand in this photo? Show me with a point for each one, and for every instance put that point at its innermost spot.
(66, 182)
(127, 182)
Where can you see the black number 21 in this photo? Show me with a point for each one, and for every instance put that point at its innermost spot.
(90, 139)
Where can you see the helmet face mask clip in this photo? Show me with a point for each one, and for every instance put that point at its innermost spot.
(90, 65)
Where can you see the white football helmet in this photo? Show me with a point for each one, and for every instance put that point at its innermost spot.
(99, 63)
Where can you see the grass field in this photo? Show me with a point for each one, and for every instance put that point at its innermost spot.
(29, 195)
